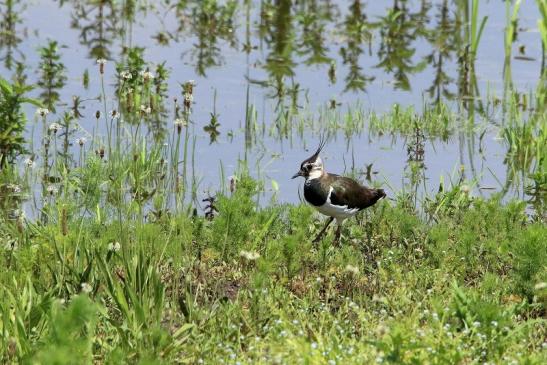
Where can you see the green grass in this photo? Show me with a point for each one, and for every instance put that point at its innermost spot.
(460, 284)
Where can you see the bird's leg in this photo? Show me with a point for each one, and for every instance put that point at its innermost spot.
(337, 234)
(329, 221)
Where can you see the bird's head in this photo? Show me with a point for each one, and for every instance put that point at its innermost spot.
(312, 167)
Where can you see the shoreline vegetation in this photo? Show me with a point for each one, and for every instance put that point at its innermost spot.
(113, 254)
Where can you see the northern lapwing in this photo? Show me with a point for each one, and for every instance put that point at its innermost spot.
(333, 195)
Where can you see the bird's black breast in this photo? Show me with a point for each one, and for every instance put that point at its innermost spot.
(314, 193)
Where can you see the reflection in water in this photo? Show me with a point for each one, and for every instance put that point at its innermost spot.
(357, 33)
(443, 40)
(10, 18)
(97, 22)
(345, 41)
(208, 21)
(277, 31)
(398, 29)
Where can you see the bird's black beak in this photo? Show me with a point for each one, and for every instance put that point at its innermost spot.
(299, 173)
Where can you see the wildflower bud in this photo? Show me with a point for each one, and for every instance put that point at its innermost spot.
(81, 141)
(179, 124)
(189, 86)
(100, 152)
(113, 114)
(188, 98)
(101, 62)
(52, 189)
(54, 127)
(233, 184)
(97, 114)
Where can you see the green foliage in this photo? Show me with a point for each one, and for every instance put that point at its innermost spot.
(530, 259)
(12, 119)
(53, 74)
(70, 338)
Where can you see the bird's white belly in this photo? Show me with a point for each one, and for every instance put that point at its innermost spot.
(336, 211)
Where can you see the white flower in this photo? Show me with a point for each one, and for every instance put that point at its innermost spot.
(101, 61)
(81, 141)
(114, 114)
(52, 189)
(114, 246)
(249, 255)
(180, 122)
(191, 82)
(11, 245)
(476, 324)
(14, 188)
(42, 112)
(540, 286)
(147, 75)
(126, 75)
(354, 270)
(146, 109)
(54, 127)
(29, 162)
(86, 288)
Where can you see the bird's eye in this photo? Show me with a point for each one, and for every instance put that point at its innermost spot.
(307, 167)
